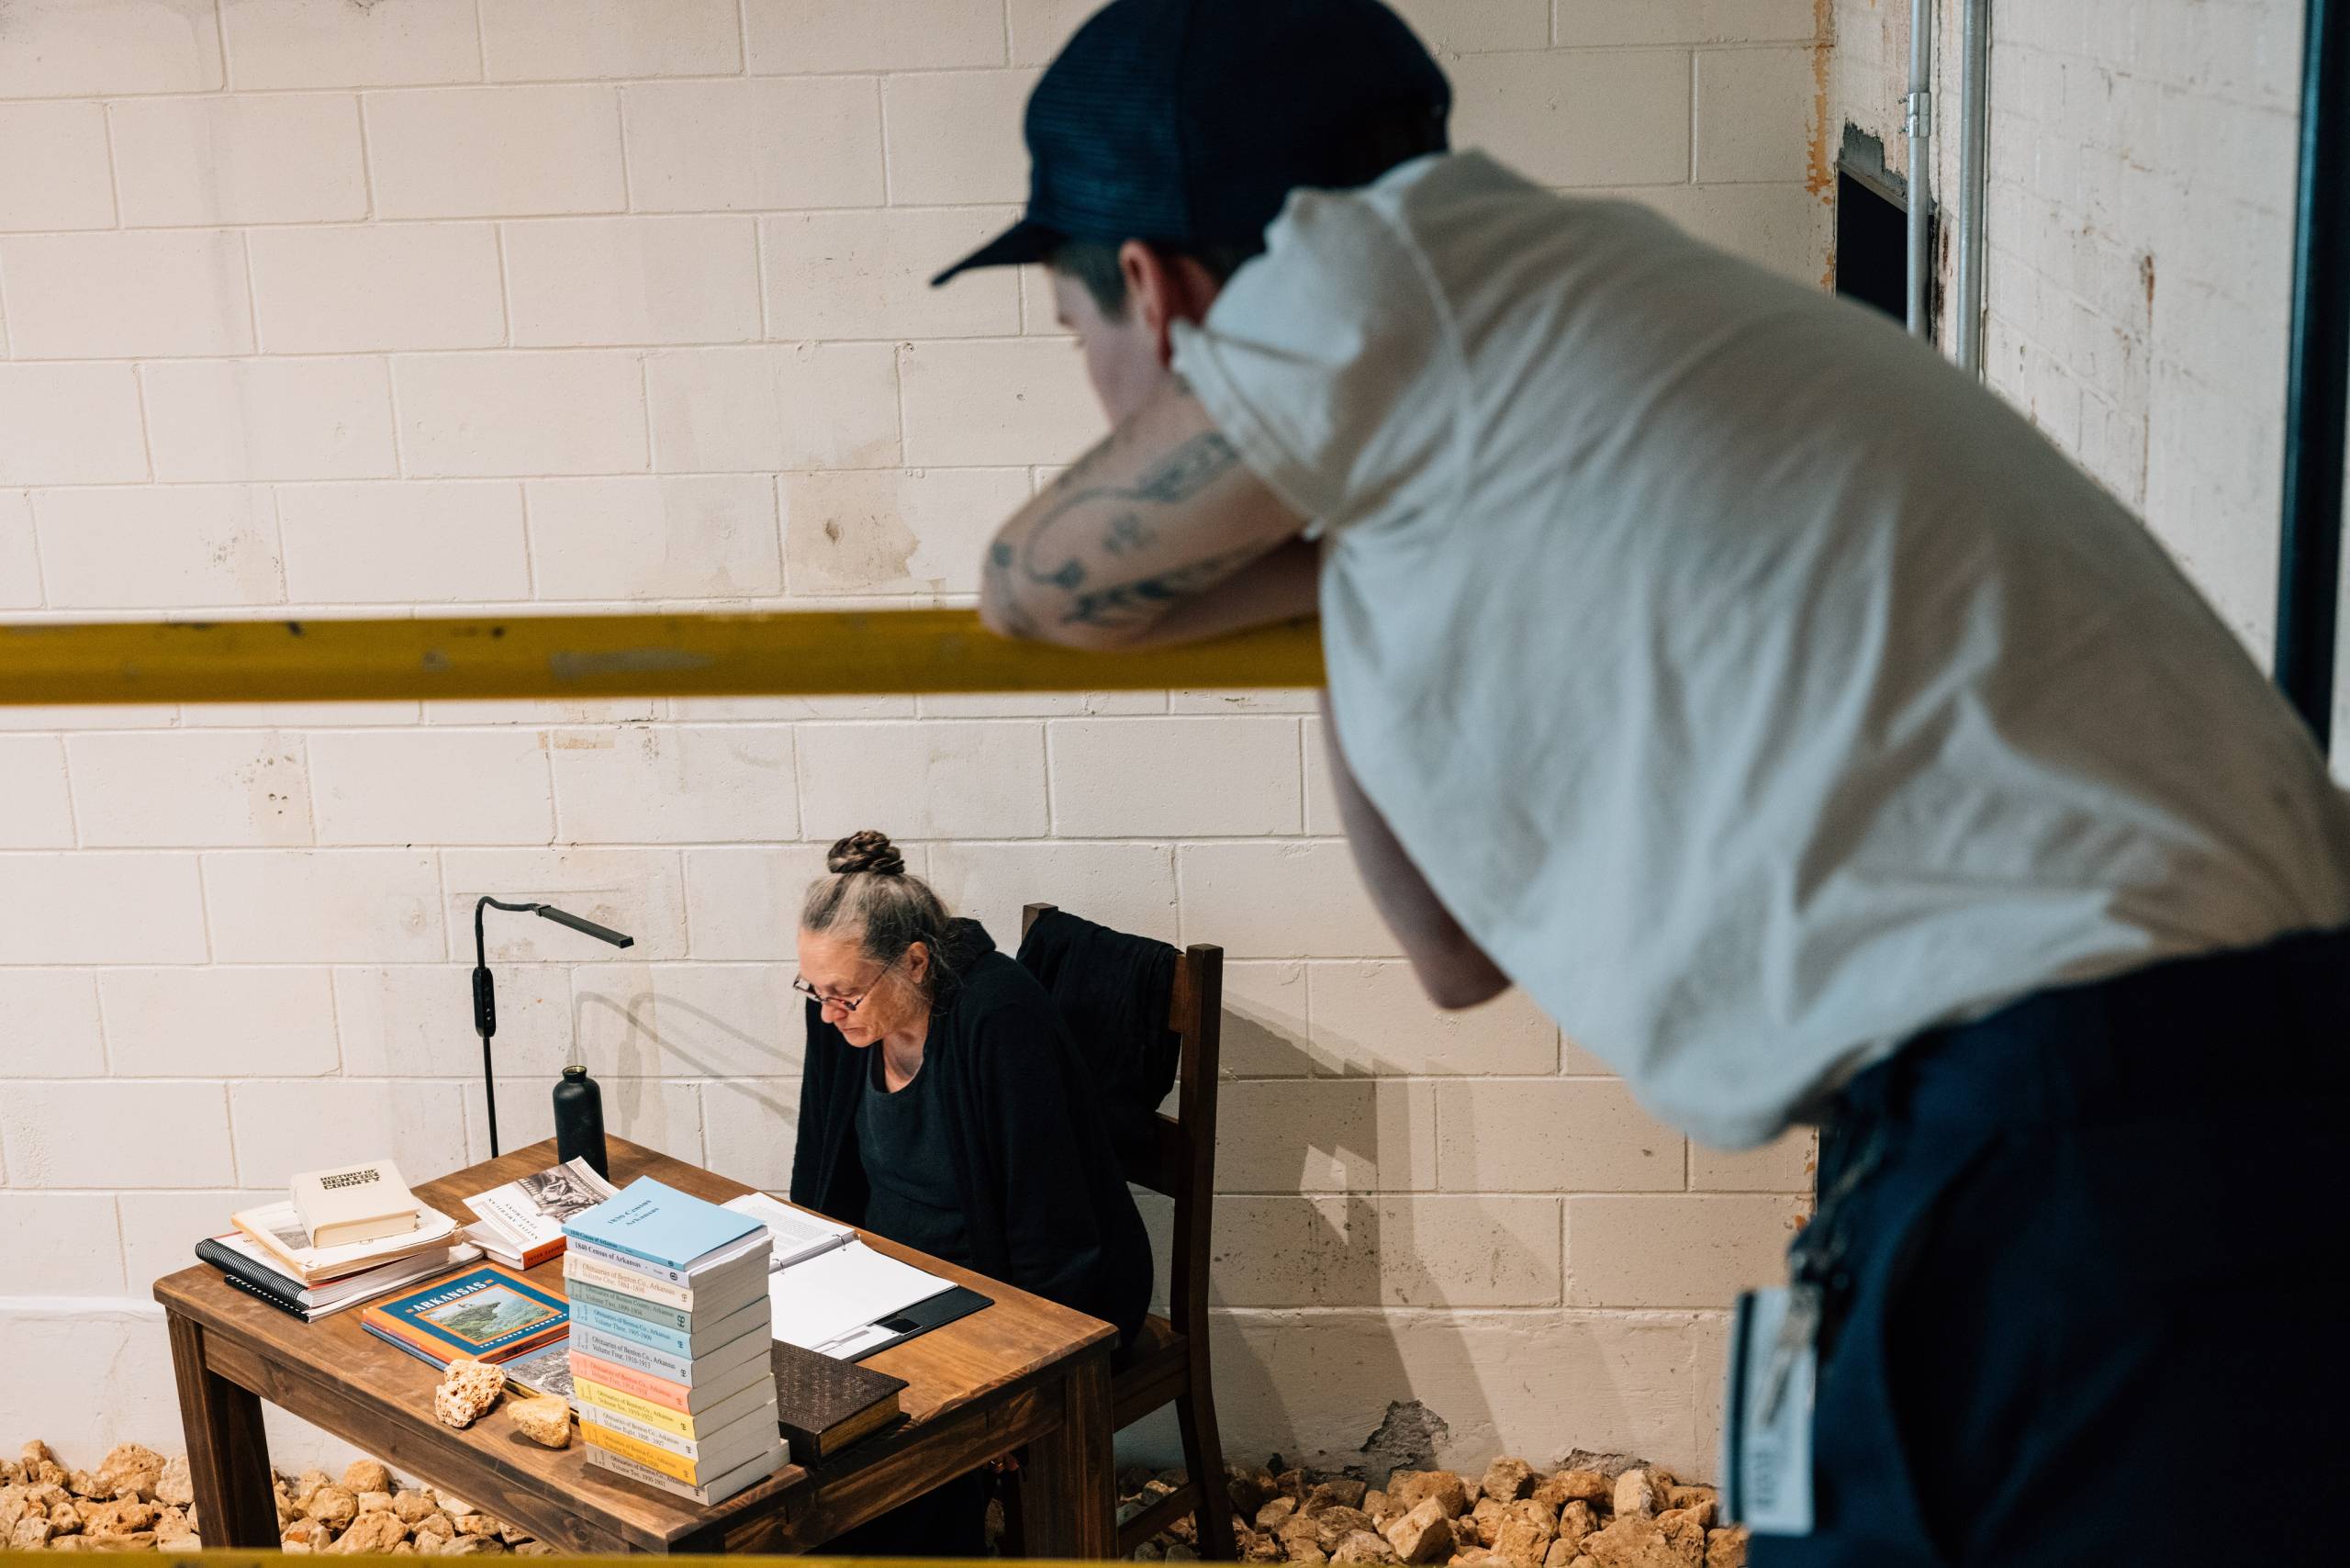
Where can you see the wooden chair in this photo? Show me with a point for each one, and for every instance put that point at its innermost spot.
(1168, 1363)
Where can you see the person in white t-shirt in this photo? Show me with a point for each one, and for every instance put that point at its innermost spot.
(1777, 708)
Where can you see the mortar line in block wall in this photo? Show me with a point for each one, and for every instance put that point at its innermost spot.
(220, 40)
(881, 119)
(505, 287)
(1697, 116)
(619, 130)
(113, 171)
(203, 907)
(522, 514)
(759, 279)
(452, 935)
(367, 184)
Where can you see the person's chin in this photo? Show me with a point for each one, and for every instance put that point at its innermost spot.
(859, 1041)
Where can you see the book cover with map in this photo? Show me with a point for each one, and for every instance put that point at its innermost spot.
(486, 1313)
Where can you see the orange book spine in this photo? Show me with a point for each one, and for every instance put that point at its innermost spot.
(659, 1389)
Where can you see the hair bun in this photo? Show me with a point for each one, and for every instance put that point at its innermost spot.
(867, 849)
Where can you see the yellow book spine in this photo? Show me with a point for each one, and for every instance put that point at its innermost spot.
(660, 1459)
(635, 1409)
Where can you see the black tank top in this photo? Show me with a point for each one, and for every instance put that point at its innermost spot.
(901, 1139)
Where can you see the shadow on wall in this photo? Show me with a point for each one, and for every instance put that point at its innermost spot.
(1317, 1370)
(693, 1082)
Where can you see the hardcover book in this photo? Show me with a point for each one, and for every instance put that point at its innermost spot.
(652, 1221)
(278, 1230)
(486, 1313)
(825, 1405)
(354, 1202)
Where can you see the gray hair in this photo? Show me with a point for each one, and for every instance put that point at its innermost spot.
(866, 893)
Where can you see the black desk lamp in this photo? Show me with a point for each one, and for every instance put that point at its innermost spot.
(486, 995)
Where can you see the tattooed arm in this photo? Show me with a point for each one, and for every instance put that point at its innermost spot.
(1125, 548)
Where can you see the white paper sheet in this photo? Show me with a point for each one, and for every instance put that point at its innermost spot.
(797, 1234)
(834, 1294)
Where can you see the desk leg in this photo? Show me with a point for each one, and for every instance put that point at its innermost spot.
(1069, 1485)
(228, 1456)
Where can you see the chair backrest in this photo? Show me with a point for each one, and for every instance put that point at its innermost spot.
(1181, 1161)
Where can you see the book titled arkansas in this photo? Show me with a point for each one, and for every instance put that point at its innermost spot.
(486, 1313)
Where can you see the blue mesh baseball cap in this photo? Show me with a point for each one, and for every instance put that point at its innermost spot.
(1188, 122)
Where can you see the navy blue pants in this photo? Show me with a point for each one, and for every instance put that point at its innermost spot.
(2087, 1309)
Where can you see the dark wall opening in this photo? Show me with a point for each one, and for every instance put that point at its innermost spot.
(1871, 247)
(1872, 230)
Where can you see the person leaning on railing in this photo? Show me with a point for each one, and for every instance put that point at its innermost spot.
(1787, 716)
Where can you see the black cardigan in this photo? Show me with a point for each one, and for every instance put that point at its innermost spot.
(1043, 1199)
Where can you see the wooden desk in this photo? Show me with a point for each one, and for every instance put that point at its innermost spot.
(1022, 1371)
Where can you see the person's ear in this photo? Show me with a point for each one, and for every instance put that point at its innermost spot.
(917, 961)
(1162, 289)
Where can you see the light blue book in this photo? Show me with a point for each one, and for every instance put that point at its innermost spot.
(582, 1294)
(627, 1351)
(681, 1319)
(698, 1340)
(650, 1220)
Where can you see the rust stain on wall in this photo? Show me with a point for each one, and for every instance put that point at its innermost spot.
(1820, 174)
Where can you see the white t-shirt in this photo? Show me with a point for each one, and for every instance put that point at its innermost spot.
(1753, 686)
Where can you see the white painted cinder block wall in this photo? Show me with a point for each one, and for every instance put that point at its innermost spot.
(2138, 250)
(328, 306)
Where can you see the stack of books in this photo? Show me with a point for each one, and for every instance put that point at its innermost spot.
(271, 1274)
(670, 1335)
(342, 1236)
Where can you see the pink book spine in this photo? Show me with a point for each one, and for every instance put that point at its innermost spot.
(660, 1391)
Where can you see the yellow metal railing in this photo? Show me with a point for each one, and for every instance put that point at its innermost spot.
(799, 654)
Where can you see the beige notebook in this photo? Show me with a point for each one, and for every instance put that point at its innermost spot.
(354, 1202)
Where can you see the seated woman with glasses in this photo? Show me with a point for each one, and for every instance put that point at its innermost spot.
(942, 1103)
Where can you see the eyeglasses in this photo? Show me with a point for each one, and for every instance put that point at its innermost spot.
(847, 1004)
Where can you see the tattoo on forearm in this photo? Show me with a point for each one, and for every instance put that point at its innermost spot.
(1124, 602)
(1050, 556)
(1007, 598)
